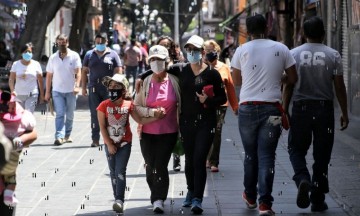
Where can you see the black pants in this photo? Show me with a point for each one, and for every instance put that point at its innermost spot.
(97, 94)
(156, 150)
(312, 122)
(4, 209)
(214, 153)
(197, 140)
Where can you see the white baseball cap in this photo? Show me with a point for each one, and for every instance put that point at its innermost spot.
(196, 41)
(158, 51)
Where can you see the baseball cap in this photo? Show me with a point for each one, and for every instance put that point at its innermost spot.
(102, 35)
(196, 41)
(120, 78)
(158, 51)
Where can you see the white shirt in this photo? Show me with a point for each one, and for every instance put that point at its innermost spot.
(262, 63)
(63, 70)
(26, 77)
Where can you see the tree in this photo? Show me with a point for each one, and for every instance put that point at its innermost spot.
(40, 14)
(166, 12)
(78, 25)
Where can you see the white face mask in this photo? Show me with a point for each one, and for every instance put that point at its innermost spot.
(157, 66)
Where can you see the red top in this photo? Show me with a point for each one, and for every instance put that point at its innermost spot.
(117, 119)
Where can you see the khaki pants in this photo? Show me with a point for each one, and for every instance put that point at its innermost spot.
(9, 170)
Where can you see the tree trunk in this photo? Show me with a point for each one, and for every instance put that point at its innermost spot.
(106, 18)
(78, 25)
(40, 14)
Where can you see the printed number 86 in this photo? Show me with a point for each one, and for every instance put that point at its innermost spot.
(307, 58)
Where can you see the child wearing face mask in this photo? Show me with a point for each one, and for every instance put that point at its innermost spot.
(19, 128)
(159, 93)
(26, 81)
(113, 116)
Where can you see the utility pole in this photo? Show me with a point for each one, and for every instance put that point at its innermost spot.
(176, 24)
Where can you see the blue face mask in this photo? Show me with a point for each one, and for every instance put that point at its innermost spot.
(100, 47)
(27, 56)
(194, 57)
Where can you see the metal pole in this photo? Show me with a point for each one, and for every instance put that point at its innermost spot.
(329, 22)
(133, 29)
(176, 24)
(110, 30)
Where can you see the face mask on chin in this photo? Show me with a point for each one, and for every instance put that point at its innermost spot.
(62, 48)
(115, 94)
(157, 66)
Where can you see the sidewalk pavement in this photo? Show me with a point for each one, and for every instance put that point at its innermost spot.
(73, 179)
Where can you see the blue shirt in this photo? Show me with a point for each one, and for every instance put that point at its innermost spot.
(100, 66)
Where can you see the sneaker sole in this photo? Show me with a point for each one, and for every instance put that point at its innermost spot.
(58, 143)
(117, 209)
(158, 210)
(196, 210)
(214, 169)
(303, 199)
(321, 208)
(266, 213)
(250, 206)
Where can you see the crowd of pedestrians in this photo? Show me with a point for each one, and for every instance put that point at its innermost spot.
(184, 99)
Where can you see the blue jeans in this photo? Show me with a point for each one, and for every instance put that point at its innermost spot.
(117, 166)
(97, 94)
(260, 130)
(312, 122)
(64, 106)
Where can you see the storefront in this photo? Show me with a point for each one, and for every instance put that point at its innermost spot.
(354, 56)
(12, 22)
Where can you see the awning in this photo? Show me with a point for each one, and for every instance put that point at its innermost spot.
(230, 20)
(10, 3)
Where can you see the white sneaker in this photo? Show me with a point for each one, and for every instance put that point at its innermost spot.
(158, 206)
(118, 206)
(9, 198)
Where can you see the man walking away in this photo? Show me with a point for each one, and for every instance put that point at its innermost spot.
(319, 69)
(258, 66)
